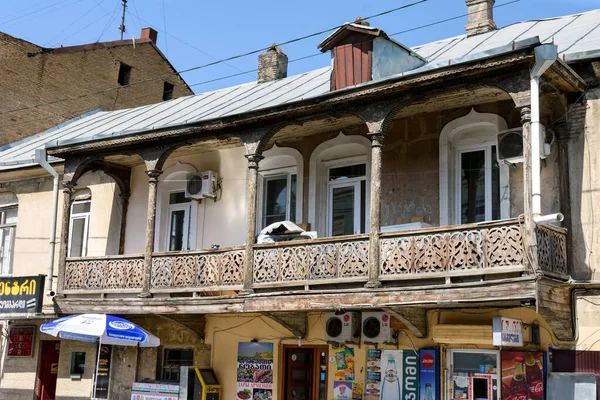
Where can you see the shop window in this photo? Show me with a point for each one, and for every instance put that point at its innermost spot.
(172, 360)
(8, 227)
(474, 374)
(79, 226)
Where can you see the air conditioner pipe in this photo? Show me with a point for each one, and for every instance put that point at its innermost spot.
(550, 218)
(545, 56)
(42, 159)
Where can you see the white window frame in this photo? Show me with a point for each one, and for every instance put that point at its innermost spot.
(12, 229)
(450, 358)
(487, 149)
(350, 182)
(86, 226)
(275, 173)
(187, 222)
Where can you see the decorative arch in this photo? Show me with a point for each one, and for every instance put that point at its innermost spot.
(171, 180)
(342, 149)
(468, 131)
(278, 161)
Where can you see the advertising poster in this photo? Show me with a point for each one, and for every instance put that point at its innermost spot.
(429, 377)
(342, 390)
(523, 375)
(400, 375)
(373, 381)
(103, 372)
(255, 371)
(344, 363)
(357, 390)
(154, 391)
(20, 341)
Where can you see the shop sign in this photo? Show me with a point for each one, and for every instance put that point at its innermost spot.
(21, 294)
(154, 391)
(255, 371)
(103, 372)
(507, 332)
(20, 341)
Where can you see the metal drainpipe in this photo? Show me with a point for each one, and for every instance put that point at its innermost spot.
(41, 159)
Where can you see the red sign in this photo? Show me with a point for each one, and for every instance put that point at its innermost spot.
(427, 361)
(20, 341)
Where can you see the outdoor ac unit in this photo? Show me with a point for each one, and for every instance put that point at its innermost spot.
(200, 185)
(510, 145)
(342, 328)
(376, 328)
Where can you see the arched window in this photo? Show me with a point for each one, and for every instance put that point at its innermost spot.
(280, 186)
(340, 171)
(474, 187)
(8, 228)
(176, 215)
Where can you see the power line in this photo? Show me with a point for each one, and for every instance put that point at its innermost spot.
(72, 24)
(211, 63)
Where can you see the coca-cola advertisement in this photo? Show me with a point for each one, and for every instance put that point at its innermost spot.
(523, 375)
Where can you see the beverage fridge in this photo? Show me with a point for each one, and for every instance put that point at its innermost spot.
(523, 375)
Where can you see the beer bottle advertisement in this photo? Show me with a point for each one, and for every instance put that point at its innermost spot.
(523, 375)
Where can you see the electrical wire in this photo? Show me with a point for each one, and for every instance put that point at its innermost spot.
(78, 19)
(210, 63)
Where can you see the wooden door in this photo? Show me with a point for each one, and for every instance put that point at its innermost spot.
(305, 375)
(48, 370)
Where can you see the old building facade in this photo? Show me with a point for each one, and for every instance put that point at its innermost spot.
(390, 157)
(36, 75)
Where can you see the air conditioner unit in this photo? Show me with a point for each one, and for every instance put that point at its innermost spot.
(376, 328)
(342, 328)
(510, 145)
(201, 185)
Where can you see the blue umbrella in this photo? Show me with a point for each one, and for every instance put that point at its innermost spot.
(100, 328)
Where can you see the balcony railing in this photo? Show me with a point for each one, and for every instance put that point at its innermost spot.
(427, 254)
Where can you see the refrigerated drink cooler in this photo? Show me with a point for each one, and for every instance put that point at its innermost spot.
(198, 383)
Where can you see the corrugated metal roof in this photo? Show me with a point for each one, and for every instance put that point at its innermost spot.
(577, 37)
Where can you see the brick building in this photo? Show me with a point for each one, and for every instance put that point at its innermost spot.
(33, 74)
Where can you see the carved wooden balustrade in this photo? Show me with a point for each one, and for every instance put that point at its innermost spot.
(475, 249)
(312, 262)
(104, 274)
(552, 250)
(196, 271)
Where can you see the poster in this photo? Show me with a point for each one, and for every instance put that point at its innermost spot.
(357, 390)
(255, 371)
(342, 390)
(103, 372)
(344, 361)
(154, 391)
(523, 375)
(373, 381)
(429, 376)
(20, 341)
(400, 375)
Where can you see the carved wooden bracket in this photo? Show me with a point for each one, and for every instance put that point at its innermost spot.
(378, 116)
(156, 155)
(295, 322)
(554, 304)
(414, 318)
(516, 85)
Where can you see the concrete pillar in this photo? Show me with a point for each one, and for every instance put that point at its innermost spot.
(375, 211)
(153, 175)
(530, 236)
(64, 235)
(253, 160)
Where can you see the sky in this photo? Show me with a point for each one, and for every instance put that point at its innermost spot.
(194, 32)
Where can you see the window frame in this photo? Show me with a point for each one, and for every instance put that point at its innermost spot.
(450, 366)
(124, 74)
(272, 174)
(12, 229)
(86, 217)
(187, 208)
(168, 94)
(163, 358)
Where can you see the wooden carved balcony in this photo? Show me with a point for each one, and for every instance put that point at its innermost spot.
(425, 254)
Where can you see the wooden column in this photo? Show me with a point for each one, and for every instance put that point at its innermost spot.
(530, 236)
(153, 175)
(375, 209)
(563, 138)
(253, 160)
(124, 208)
(64, 235)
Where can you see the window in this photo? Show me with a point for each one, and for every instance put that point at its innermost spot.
(172, 360)
(480, 366)
(124, 74)
(179, 222)
(478, 186)
(79, 225)
(279, 199)
(8, 227)
(346, 200)
(168, 91)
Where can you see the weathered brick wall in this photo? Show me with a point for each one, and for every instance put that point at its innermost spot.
(33, 75)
